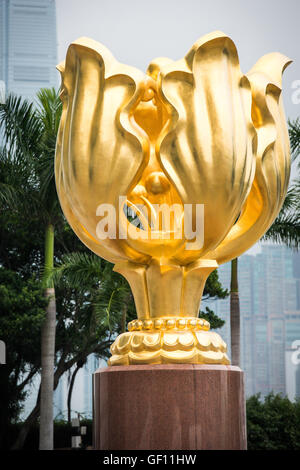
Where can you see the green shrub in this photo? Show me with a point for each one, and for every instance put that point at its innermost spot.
(273, 423)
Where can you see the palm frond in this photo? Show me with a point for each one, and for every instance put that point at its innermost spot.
(285, 229)
(20, 125)
(15, 180)
(291, 199)
(49, 108)
(294, 134)
(9, 196)
(77, 269)
(107, 305)
(49, 113)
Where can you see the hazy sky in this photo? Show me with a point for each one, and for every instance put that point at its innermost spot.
(136, 31)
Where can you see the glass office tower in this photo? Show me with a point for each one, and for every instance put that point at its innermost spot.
(28, 46)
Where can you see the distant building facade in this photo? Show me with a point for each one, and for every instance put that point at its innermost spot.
(82, 396)
(28, 46)
(270, 318)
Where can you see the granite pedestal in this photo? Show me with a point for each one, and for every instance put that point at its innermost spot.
(172, 406)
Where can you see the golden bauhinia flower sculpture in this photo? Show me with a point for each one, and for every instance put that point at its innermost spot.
(169, 174)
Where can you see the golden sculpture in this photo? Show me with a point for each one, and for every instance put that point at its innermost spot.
(189, 132)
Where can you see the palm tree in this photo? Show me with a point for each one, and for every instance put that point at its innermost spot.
(48, 114)
(29, 139)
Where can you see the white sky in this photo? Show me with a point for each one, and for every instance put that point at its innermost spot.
(137, 31)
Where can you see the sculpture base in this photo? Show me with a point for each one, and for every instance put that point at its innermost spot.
(169, 406)
(175, 346)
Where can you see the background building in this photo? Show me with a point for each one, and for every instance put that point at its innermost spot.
(82, 396)
(28, 46)
(270, 319)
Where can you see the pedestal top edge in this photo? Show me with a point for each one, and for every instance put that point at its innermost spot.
(175, 367)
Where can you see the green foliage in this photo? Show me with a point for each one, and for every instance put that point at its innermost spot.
(11, 180)
(213, 288)
(294, 134)
(74, 267)
(48, 114)
(273, 423)
(105, 290)
(20, 126)
(212, 318)
(29, 145)
(286, 227)
(22, 307)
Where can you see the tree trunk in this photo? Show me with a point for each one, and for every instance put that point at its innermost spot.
(70, 391)
(48, 351)
(235, 314)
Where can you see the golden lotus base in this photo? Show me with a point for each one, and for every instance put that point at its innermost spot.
(169, 346)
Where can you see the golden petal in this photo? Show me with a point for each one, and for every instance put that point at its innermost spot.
(273, 159)
(123, 343)
(137, 341)
(118, 360)
(96, 136)
(145, 357)
(215, 341)
(170, 340)
(179, 357)
(186, 339)
(152, 341)
(212, 357)
(203, 338)
(113, 348)
(210, 134)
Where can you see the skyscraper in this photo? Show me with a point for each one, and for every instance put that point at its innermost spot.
(28, 45)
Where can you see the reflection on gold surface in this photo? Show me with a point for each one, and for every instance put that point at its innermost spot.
(193, 131)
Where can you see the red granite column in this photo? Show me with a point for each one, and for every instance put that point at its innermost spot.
(172, 406)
